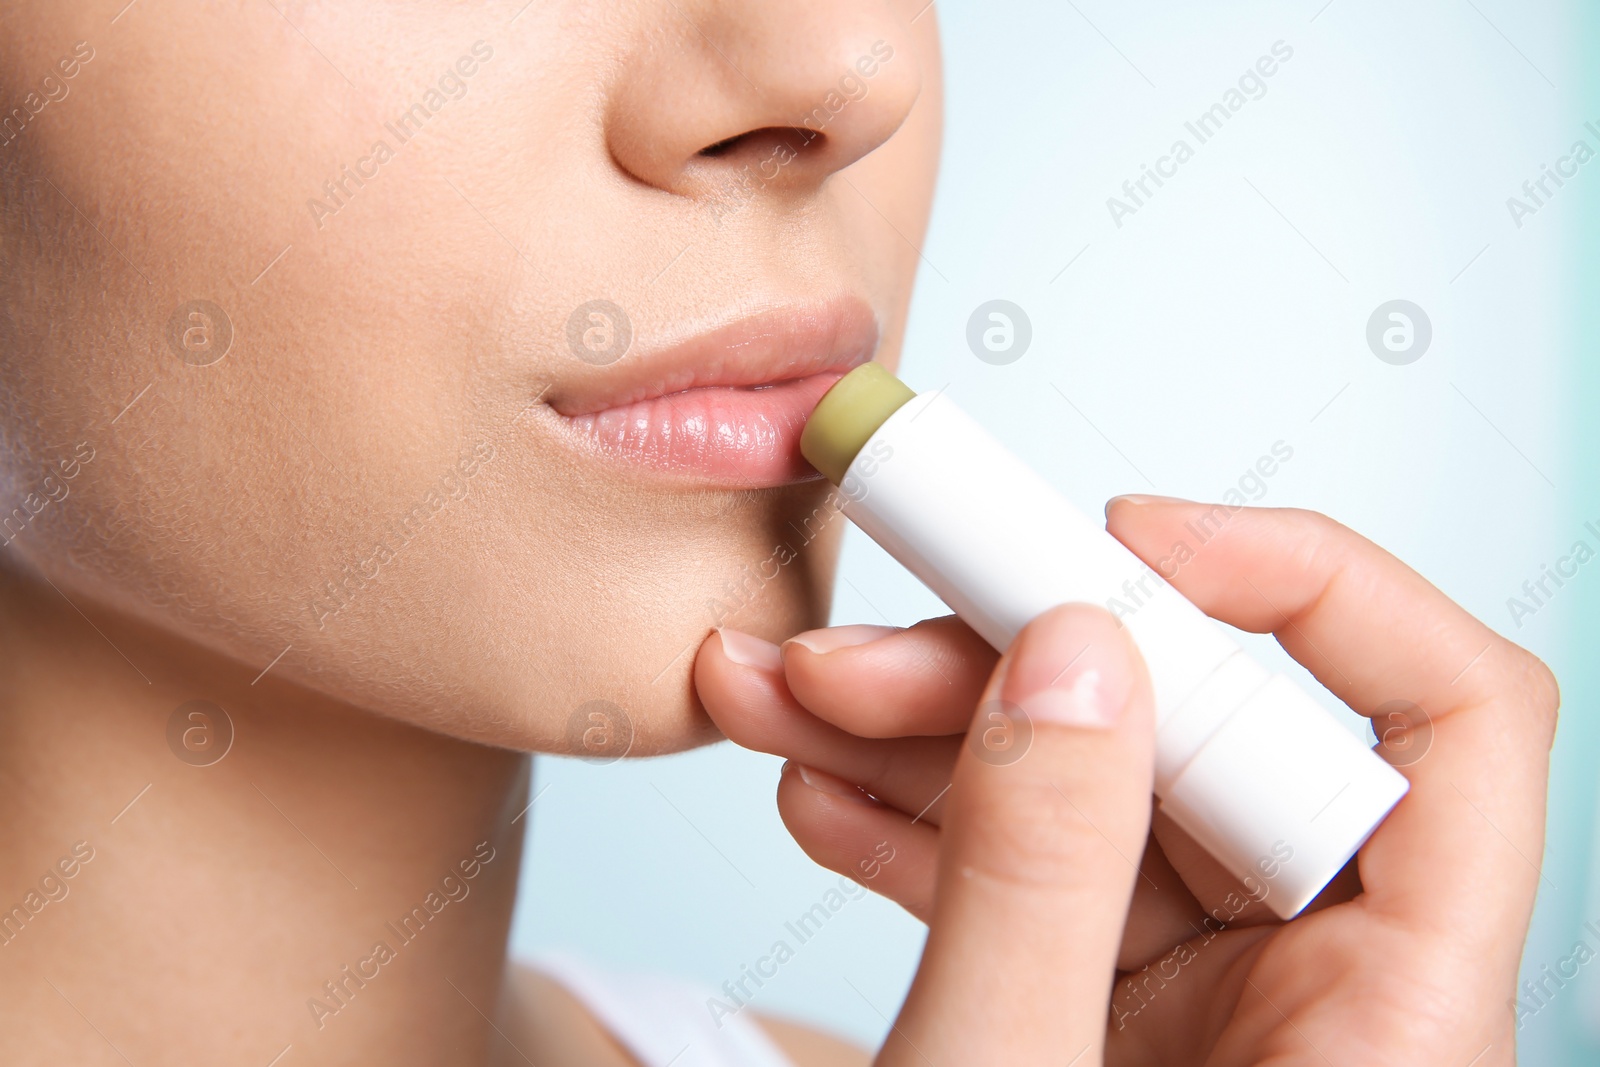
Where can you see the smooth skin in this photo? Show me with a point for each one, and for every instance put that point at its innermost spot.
(378, 745)
(1047, 944)
(213, 541)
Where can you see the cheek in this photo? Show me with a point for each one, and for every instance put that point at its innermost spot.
(242, 489)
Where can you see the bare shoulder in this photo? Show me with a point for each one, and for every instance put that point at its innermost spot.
(542, 1022)
(809, 1047)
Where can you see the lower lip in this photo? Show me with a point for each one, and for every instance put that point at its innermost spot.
(745, 437)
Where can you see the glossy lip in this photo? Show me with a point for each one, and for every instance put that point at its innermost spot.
(724, 407)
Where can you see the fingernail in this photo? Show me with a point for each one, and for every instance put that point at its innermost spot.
(1144, 498)
(747, 650)
(1087, 686)
(836, 637)
(823, 782)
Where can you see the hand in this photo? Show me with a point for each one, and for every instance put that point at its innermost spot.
(1411, 961)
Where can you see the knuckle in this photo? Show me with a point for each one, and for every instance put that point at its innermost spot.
(1538, 683)
(1029, 835)
(1524, 688)
(1323, 541)
(1317, 523)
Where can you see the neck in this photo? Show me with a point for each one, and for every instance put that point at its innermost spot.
(328, 879)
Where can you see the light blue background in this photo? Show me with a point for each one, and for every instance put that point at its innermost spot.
(1227, 314)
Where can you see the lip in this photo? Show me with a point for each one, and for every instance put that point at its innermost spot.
(723, 407)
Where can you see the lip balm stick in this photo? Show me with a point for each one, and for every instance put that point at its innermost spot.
(1248, 763)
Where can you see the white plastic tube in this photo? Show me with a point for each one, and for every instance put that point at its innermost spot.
(1246, 762)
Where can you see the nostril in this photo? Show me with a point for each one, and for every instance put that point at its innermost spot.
(764, 142)
(828, 82)
(721, 148)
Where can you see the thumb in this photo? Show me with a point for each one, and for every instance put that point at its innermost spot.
(1045, 823)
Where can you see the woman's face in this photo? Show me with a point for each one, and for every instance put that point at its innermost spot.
(331, 330)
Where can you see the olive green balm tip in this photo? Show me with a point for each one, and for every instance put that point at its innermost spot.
(847, 415)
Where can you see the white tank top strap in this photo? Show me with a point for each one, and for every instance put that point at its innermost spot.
(663, 1022)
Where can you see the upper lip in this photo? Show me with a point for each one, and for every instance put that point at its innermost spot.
(775, 345)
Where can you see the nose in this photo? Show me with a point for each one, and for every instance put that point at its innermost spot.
(770, 96)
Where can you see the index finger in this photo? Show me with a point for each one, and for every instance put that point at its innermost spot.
(1469, 836)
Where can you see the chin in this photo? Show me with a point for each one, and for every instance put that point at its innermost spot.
(658, 712)
(595, 662)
